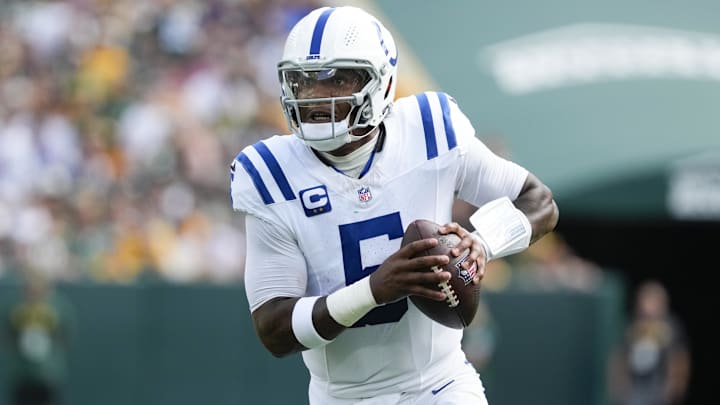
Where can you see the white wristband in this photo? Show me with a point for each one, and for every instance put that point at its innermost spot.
(502, 228)
(348, 304)
(302, 324)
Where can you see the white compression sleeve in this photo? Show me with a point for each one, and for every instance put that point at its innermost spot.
(303, 326)
(502, 228)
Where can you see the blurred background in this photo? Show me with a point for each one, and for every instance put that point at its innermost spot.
(121, 261)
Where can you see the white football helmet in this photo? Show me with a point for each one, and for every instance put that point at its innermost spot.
(337, 74)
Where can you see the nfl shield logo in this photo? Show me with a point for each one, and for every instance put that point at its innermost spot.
(466, 275)
(364, 194)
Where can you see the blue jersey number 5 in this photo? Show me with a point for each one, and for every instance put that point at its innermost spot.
(350, 237)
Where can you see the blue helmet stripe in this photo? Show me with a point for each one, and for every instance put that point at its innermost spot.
(449, 130)
(275, 170)
(318, 31)
(255, 177)
(428, 127)
(393, 60)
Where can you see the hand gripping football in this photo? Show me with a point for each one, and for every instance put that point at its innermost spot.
(463, 296)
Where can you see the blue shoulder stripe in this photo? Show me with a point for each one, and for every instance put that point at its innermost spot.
(256, 179)
(449, 130)
(428, 127)
(318, 32)
(275, 170)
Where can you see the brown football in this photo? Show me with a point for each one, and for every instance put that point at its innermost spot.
(463, 296)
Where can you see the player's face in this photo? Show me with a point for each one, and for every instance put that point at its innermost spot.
(324, 84)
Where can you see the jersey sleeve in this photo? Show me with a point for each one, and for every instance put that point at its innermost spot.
(274, 265)
(483, 176)
(248, 190)
(258, 181)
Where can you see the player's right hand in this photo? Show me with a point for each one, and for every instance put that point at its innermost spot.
(403, 274)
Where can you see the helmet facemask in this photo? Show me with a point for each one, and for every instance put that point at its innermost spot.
(324, 104)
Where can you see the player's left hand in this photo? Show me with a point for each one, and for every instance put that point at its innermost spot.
(477, 251)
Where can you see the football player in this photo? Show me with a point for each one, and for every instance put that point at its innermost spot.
(326, 210)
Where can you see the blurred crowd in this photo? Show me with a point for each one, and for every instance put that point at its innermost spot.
(118, 120)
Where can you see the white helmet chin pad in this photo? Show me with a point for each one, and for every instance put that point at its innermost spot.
(316, 135)
(320, 131)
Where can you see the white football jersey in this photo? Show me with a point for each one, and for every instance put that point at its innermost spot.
(322, 230)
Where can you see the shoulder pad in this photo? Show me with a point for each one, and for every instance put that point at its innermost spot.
(437, 118)
(257, 179)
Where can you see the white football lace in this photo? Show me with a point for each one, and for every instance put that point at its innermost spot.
(446, 288)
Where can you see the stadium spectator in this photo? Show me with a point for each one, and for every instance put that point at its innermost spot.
(652, 365)
(552, 264)
(116, 120)
(37, 329)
